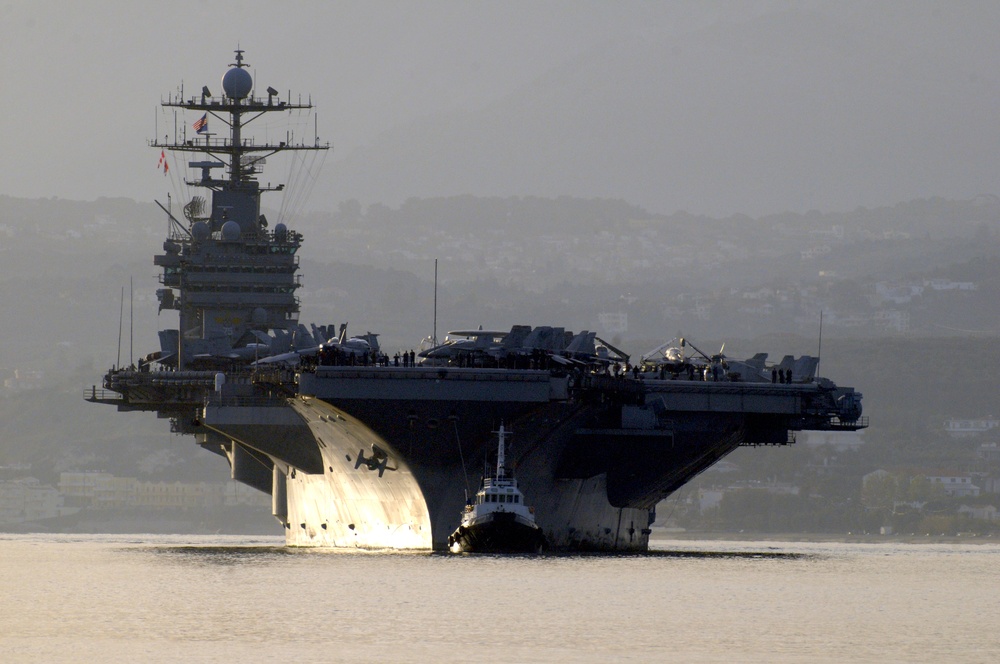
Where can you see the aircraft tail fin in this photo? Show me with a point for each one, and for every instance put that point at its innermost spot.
(515, 338)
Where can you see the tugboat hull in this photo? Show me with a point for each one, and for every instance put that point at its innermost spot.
(497, 532)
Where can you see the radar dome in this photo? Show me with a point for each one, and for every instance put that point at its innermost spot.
(230, 231)
(200, 230)
(237, 83)
(280, 231)
(259, 316)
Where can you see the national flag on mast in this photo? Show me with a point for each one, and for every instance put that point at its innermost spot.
(201, 124)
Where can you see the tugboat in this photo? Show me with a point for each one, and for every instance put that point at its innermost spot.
(498, 521)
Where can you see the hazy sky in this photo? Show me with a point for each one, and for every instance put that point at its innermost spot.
(88, 76)
(83, 81)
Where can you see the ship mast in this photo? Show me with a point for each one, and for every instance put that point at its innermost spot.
(241, 157)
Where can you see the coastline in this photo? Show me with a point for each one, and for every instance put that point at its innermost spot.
(661, 534)
(231, 521)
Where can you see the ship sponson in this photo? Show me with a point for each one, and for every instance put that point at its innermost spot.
(386, 457)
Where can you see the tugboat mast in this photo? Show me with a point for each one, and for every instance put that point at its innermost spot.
(500, 454)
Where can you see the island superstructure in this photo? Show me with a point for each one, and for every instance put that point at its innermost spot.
(360, 450)
(230, 278)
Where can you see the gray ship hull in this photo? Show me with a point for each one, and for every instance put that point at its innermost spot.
(385, 458)
(416, 502)
(400, 455)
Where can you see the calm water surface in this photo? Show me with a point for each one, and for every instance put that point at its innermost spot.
(89, 598)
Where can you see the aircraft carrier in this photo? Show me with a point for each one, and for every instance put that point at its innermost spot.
(361, 450)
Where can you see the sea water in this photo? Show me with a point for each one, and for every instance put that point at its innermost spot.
(155, 598)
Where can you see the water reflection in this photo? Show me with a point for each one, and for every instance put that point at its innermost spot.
(237, 555)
